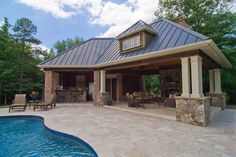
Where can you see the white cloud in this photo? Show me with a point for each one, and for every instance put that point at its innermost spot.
(62, 8)
(233, 9)
(1, 22)
(39, 47)
(121, 16)
(118, 16)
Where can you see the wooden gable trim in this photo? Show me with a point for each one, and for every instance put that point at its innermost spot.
(145, 37)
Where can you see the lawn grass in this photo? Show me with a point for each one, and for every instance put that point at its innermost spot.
(231, 106)
(4, 106)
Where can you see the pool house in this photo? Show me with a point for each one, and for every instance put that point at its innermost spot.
(104, 69)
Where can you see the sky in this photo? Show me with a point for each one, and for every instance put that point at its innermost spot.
(62, 19)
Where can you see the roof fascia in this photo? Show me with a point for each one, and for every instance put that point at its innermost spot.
(207, 46)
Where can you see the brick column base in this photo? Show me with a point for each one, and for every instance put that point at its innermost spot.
(51, 80)
(96, 87)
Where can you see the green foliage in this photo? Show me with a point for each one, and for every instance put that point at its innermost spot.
(19, 56)
(15, 53)
(152, 83)
(24, 31)
(211, 18)
(62, 45)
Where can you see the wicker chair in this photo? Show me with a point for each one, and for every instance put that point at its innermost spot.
(130, 98)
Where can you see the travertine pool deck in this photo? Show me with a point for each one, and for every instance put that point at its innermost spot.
(115, 133)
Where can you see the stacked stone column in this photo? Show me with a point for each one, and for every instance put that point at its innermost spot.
(192, 107)
(217, 97)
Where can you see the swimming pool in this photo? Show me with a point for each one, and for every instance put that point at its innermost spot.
(28, 136)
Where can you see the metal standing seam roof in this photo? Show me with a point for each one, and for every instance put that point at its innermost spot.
(103, 50)
(170, 35)
(86, 53)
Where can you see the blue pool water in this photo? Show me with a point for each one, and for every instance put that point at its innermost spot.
(28, 136)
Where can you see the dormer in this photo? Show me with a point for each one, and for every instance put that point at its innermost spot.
(135, 37)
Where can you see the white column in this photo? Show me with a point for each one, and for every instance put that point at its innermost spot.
(196, 71)
(217, 81)
(185, 77)
(211, 81)
(102, 81)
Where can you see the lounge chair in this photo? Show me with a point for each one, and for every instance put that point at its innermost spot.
(49, 102)
(19, 102)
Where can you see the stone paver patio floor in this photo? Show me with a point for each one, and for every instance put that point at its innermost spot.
(114, 133)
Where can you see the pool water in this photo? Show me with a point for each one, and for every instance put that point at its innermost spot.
(28, 136)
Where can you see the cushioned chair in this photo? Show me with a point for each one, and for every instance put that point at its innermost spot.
(19, 102)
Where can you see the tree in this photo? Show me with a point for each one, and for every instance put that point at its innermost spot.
(214, 19)
(24, 32)
(62, 45)
(9, 60)
(152, 82)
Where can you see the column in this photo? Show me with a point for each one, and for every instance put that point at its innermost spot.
(119, 87)
(217, 81)
(185, 77)
(55, 81)
(196, 73)
(102, 81)
(96, 86)
(48, 83)
(211, 81)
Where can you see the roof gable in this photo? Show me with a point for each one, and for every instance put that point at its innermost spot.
(136, 27)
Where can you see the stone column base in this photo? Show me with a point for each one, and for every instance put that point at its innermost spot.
(218, 99)
(194, 111)
(104, 99)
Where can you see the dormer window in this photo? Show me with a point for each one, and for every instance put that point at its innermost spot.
(135, 37)
(131, 42)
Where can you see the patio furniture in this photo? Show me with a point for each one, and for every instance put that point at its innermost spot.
(19, 102)
(139, 101)
(159, 100)
(170, 101)
(130, 98)
(49, 102)
(32, 102)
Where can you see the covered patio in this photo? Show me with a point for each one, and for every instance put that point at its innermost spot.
(180, 75)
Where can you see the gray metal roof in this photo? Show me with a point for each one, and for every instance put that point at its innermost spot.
(103, 50)
(170, 35)
(86, 53)
(139, 25)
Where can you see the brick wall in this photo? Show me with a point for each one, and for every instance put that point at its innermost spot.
(51, 81)
(96, 87)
